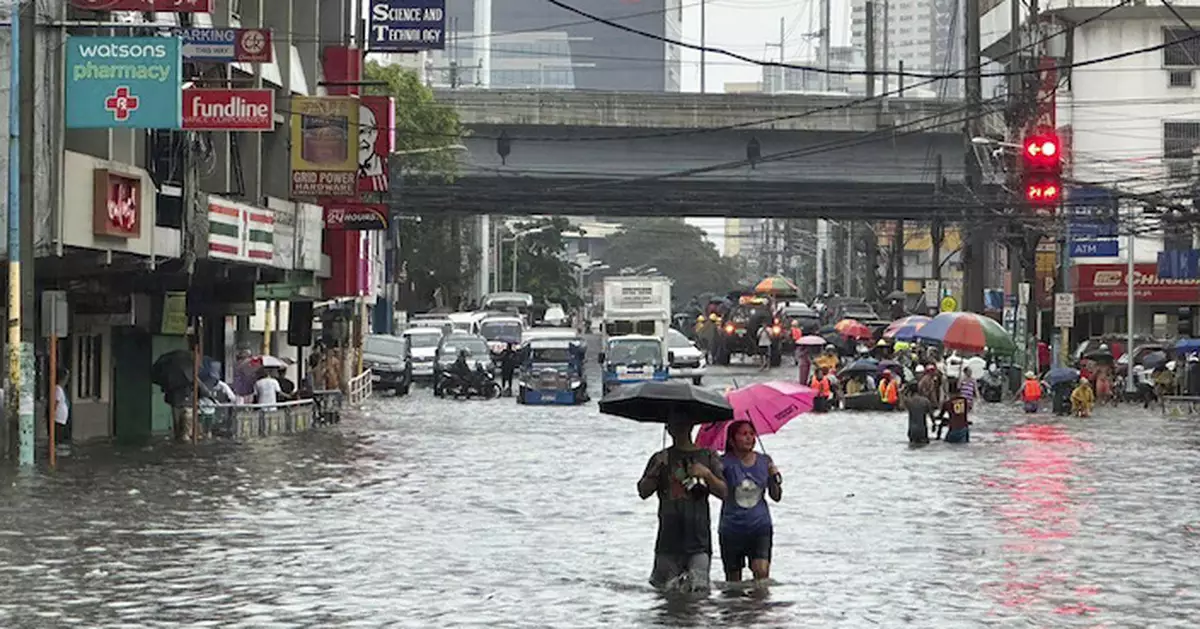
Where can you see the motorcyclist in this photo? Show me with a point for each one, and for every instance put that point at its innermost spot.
(460, 367)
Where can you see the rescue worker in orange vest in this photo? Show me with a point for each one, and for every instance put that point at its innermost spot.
(889, 392)
(820, 384)
(1031, 392)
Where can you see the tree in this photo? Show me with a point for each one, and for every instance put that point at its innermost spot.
(433, 249)
(542, 268)
(678, 250)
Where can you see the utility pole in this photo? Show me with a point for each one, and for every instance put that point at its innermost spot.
(937, 228)
(20, 354)
(703, 46)
(848, 272)
(974, 253)
(886, 53)
(898, 254)
(825, 41)
(870, 39)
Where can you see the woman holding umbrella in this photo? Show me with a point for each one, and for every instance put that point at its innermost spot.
(745, 532)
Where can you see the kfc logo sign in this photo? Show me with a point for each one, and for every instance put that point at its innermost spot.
(116, 205)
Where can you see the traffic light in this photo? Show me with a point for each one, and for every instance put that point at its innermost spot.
(1041, 170)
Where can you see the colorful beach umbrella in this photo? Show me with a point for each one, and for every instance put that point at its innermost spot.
(776, 285)
(905, 329)
(851, 329)
(967, 332)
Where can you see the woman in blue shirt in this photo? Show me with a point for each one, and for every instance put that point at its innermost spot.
(745, 531)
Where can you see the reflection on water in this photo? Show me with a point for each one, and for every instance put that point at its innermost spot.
(434, 513)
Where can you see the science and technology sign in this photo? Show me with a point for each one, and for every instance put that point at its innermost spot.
(129, 82)
(406, 25)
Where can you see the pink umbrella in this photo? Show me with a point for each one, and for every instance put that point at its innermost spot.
(767, 405)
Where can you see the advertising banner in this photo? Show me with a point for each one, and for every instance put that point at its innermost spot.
(356, 216)
(406, 25)
(129, 82)
(324, 146)
(1108, 283)
(226, 45)
(229, 110)
(376, 141)
(116, 204)
(241, 232)
(159, 6)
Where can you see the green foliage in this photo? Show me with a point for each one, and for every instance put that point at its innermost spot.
(678, 250)
(436, 250)
(542, 269)
(421, 123)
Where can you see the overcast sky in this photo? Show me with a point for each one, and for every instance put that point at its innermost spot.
(746, 27)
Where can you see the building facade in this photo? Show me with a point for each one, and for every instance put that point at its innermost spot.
(926, 35)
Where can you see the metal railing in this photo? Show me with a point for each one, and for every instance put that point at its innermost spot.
(360, 388)
(259, 420)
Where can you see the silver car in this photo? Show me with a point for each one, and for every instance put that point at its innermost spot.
(422, 343)
(687, 361)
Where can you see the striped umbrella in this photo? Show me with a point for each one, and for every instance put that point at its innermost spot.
(967, 332)
(851, 329)
(776, 285)
(905, 329)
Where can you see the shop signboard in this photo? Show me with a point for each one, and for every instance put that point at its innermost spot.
(406, 25)
(240, 232)
(356, 216)
(1107, 283)
(229, 109)
(1093, 222)
(129, 82)
(324, 151)
(116, 204)
(376, 141)
(158, 6)
(226, 45)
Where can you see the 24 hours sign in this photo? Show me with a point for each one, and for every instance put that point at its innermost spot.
(129, 82)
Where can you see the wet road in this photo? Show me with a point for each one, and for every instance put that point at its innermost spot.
(432, 513)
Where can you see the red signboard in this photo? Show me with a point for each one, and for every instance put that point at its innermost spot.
(376, 141)
(116, 204)
(162, 6)
(229, 110)
(348, 267)
(1107, 283)
(356, 216)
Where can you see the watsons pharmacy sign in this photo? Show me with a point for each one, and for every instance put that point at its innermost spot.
(407, 25)
(130, 82)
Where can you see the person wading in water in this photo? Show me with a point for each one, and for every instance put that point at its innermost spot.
(683, 476)
(745, 531)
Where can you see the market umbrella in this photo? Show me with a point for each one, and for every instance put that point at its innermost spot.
(656, 401)
(810, 340)
(1059, 375)
(852, 329)
(776, 285)
(967, 332)
(905, 329)
(767, 405)
(866, 366)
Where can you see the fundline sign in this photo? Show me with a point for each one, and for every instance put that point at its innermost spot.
(229, 109)
(406, 25)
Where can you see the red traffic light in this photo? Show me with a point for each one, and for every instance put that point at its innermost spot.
(1042, 152)
(1044, 192)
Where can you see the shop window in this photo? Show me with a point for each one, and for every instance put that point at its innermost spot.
(88, 371)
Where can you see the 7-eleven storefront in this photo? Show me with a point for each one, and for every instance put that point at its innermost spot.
(240, 232)
(1101, 293)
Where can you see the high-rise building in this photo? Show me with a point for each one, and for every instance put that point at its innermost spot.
(926, 35)
(533, 44)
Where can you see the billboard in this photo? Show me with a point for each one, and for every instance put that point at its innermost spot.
(324, 146)
(226, 45)
(128, 82)
(376, 141)
(405, 25)
(1109, 283)
(356, 216)
(229, 109)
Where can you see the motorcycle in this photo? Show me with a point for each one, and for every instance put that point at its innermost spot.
(480, 383)
(991, 386)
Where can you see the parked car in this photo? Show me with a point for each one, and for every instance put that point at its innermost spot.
(387, 358)
(422, 347)
(687, 361)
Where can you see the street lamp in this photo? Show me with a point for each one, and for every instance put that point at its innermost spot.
(513, 239)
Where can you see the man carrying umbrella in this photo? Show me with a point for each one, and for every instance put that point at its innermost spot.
(683, 476)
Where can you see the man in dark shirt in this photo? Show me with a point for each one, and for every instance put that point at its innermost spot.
(955, 409)
(918, 409)
(683, 476)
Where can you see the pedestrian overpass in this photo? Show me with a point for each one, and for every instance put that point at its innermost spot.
(749, 155)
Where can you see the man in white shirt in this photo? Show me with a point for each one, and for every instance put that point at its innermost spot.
(267, 391)
(62, 410)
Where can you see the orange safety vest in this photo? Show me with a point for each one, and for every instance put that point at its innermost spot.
(796, 334)
(887, 392)
(1032, 391)
(821, 385)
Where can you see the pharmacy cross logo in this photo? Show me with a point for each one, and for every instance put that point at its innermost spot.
(121, 104)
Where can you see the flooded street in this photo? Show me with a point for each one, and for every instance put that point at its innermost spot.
(435, 513)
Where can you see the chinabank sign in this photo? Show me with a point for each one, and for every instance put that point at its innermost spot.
(129, 82)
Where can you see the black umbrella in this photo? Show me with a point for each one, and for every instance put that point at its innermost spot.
(896, 295)
(1100, 356)
(1154, 360)
(866, 367)
(658, 402)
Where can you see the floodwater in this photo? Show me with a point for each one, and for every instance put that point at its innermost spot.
(435, 513)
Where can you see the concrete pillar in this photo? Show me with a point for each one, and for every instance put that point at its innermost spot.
(485, 254)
